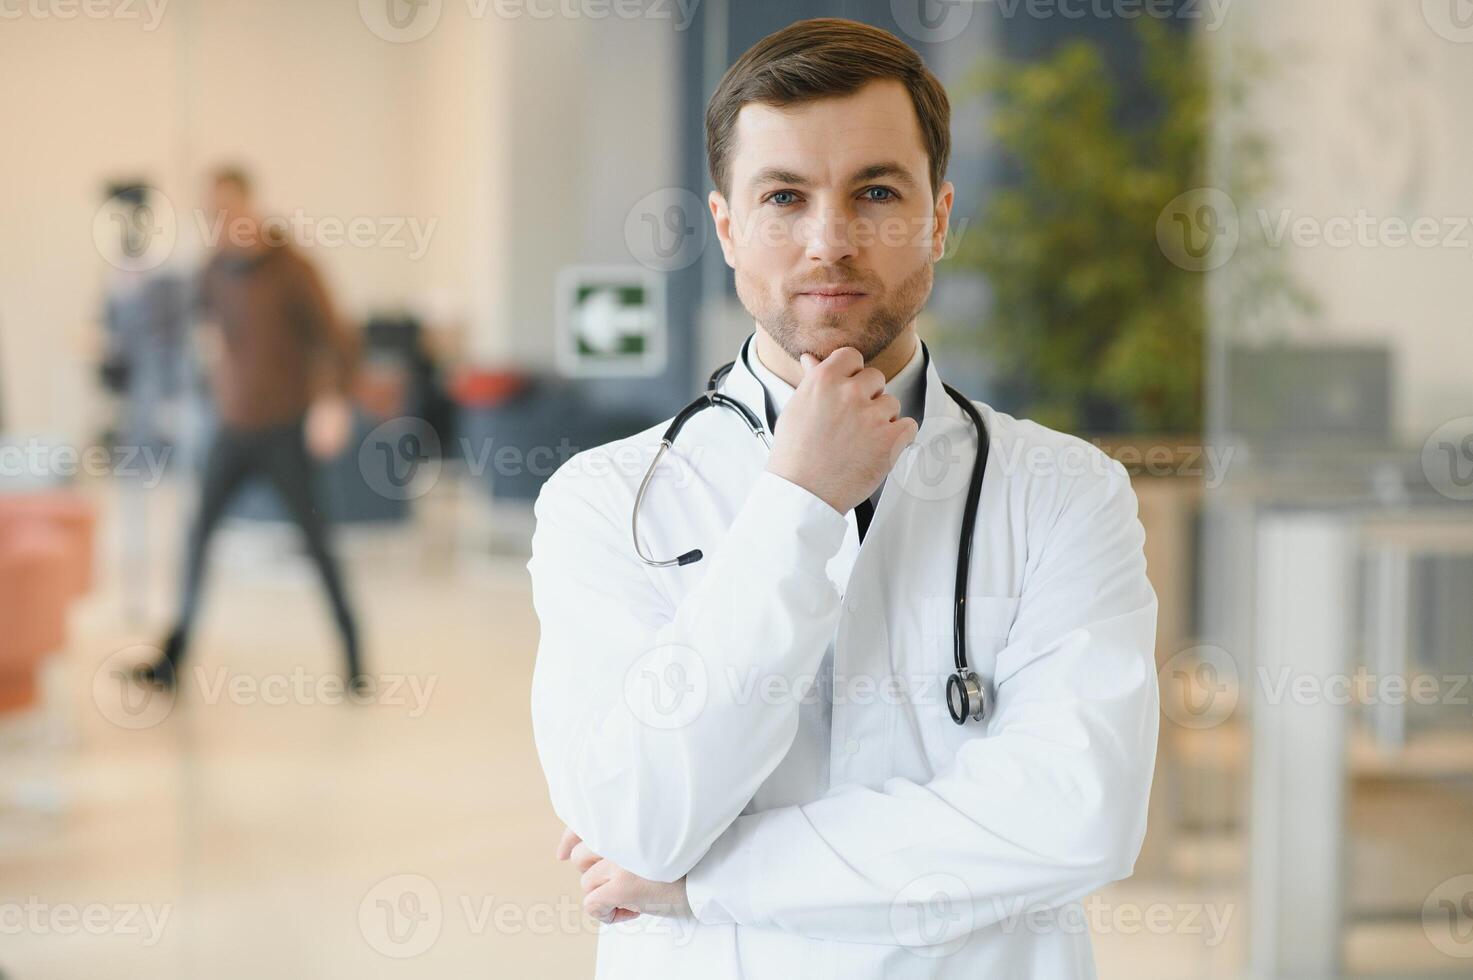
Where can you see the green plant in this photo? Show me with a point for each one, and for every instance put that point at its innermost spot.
(1090, 319)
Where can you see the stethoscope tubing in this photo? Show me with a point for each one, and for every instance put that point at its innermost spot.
(712, 397)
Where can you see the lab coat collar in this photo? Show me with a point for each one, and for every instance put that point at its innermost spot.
(941, 413)
(912, 477)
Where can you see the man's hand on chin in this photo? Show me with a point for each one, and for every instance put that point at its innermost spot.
(611, 894)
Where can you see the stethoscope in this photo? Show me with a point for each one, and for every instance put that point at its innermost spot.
(966, 694)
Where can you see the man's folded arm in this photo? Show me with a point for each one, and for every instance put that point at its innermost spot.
(1045, 807)
(648, 717)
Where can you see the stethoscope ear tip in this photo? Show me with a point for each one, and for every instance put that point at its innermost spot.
(690, 557)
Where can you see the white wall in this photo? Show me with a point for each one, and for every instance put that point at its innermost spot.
(524, 140)
(319, 124)
(458, 165)
(593, 131)
(1368, 111)
(87, 100)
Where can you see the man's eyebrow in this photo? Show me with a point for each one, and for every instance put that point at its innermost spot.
(888, 169)
(875, 171)
(777, 175)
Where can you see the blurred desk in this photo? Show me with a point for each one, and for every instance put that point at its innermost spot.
(1303, 627)
(1392, 543)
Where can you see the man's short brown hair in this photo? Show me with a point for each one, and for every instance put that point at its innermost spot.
(823, 58)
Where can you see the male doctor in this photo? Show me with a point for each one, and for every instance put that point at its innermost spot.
(752, 751)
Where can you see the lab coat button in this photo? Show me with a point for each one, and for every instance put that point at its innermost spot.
(852, 746)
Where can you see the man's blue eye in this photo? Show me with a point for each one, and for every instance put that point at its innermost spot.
(883, 190)
(778, 194)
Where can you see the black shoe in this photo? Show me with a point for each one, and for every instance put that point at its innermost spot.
(174, 646)
(159, 674)
(360, 686)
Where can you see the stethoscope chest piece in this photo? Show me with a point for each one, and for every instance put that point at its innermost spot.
(966, 696)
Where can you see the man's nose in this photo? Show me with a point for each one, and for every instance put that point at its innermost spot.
(827, 235)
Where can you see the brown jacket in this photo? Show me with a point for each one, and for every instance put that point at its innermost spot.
(281, 340)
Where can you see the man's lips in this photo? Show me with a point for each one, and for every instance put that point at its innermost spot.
(832, 298)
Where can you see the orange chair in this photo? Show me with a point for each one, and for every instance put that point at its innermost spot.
(71, 515)
(33, 604)
(45, 563)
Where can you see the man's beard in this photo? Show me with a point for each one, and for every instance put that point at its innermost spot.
(824, 333)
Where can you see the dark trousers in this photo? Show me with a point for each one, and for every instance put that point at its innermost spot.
(280, 455)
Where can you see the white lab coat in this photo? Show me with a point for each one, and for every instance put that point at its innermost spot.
(770, 721)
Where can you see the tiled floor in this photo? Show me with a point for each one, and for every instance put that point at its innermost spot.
(237, 836)
(255, 831)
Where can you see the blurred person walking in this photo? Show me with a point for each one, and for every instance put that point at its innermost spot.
(280, 368)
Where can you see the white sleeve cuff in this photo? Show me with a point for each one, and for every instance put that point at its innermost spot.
(723, 887)
(719, 887)
(814, 529)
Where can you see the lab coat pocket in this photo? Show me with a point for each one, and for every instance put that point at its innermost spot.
(926, 738)
(989, 620)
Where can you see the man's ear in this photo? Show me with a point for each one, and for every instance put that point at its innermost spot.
(721, 215)
(942, 223)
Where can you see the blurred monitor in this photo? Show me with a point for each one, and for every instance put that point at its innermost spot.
(1307, 397)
